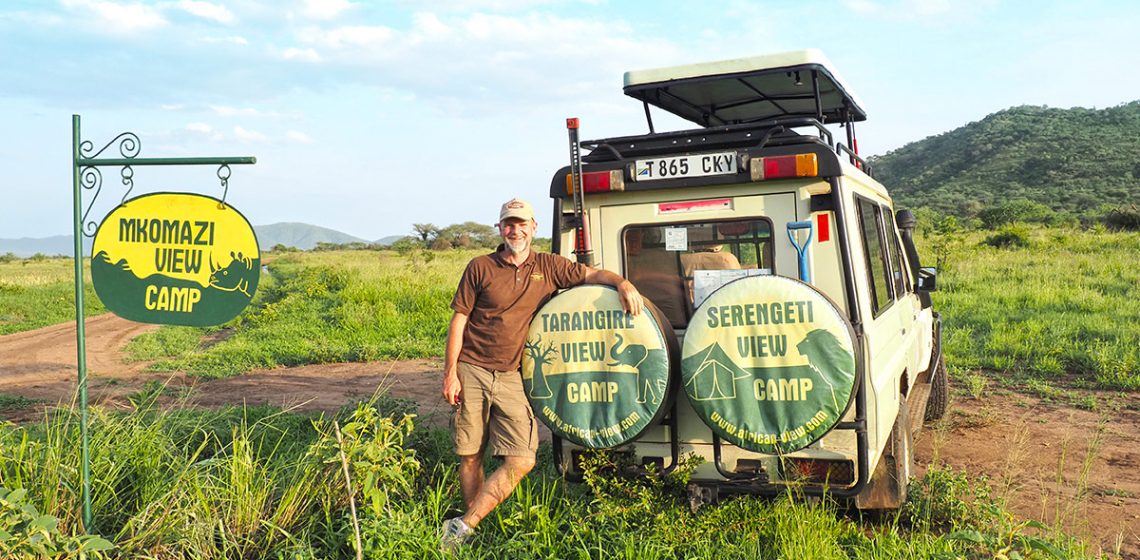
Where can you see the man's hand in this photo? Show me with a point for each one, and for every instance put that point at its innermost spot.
(452, 388)
(631, 300)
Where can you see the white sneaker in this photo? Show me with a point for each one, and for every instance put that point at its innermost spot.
(455, 532)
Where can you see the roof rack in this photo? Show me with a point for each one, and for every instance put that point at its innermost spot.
(746, 90)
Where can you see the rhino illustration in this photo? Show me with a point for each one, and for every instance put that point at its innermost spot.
(232, 278)
(638, 356)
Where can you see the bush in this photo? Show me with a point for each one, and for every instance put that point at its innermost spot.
(24, 533)
(1016, 211)
(1011, 236)
(1123, 218)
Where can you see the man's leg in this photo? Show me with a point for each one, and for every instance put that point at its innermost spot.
(470, 477)
(496, 489)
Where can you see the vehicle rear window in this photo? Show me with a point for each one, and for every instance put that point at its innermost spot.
(662, 259)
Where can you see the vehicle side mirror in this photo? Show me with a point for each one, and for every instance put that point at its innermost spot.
(926, 277)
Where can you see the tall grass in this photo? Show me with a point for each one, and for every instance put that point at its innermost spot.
(1064, 308)
(38, 292)
(263, 483)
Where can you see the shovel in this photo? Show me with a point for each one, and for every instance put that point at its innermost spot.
(801, 250)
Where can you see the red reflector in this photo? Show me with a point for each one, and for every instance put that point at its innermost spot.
(779, 167)
(823, 227)
(597, 182)
(785, 167)
(694, 206)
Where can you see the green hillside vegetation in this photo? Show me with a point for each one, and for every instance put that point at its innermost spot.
(39, 291)
(1079, 163)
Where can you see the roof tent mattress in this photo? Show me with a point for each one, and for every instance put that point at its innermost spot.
(745, 90)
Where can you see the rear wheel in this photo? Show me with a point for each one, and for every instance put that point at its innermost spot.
(939, 392)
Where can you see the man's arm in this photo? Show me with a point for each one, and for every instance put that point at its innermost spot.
(631, 300)
(452, 387)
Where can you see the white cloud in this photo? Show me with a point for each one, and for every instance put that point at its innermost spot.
(248, 136)
(199, 127)
(232, 39)
(862, 6)
(115, 18)
(298, 137)
(226, 111)
(304, 55)
(348, 36)
(207, 10)
(325, 9)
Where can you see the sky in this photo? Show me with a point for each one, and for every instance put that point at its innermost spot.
(370, 116)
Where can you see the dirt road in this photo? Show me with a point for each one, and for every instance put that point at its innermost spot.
(1033, 452)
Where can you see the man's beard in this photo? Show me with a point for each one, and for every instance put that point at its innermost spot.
(517, 247)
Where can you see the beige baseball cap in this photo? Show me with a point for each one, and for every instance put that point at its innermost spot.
(517, 208)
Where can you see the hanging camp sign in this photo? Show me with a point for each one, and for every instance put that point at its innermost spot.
(175, 259)
(768, 363)
(594, 374)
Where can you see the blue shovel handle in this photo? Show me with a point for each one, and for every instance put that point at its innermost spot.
(801, 251)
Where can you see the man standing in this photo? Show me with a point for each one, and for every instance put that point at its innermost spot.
(498, 296)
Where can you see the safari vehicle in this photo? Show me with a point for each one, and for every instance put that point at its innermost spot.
(759, 224)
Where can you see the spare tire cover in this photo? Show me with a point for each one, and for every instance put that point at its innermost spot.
(768, 363)
(594, 374)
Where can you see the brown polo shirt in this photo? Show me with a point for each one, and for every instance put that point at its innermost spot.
(500, 301)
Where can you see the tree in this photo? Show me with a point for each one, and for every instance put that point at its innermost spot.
(426, 232)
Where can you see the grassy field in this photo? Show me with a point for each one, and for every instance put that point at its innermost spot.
(36, 293)
(262, 483)
(1057, 311)
(1061, 311)
(326, 307)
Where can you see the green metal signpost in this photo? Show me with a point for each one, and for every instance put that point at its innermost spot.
(86, 175)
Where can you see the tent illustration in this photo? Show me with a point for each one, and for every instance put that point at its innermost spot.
(714, 375)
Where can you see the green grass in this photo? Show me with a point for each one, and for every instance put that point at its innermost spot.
(16, 402)
(263, 483)
(39, 292)
(1064, 309)
(321, 307)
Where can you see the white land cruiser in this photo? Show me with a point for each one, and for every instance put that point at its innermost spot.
(792, 340)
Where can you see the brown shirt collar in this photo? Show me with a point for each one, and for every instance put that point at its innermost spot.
(498, 256)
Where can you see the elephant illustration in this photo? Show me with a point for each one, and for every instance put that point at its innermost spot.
(639, 357)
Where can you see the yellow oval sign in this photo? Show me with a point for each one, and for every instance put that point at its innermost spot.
(175, 259)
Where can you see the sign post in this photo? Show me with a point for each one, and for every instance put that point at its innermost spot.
(86, 175)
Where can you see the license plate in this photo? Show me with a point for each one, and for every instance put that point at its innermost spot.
(698, 165)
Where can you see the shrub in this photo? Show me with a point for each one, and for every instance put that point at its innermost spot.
(1123, 218)
(24, 533)
(1011, 236)
(1016, 211)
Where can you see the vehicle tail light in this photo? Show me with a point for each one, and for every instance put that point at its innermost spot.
(819, 471)
(784, 167)
(597, 182)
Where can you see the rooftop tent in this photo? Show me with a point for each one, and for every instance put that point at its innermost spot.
(748, 90)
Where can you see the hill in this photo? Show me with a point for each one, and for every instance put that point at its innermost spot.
(1071, 160)
(301, 236)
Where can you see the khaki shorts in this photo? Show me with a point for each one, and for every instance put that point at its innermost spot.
(494, 412)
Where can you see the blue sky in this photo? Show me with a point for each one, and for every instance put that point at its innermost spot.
(367, 117)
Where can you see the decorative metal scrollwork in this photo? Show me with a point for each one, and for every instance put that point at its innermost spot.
(128, 181)
(90, 178)
(129, 146)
